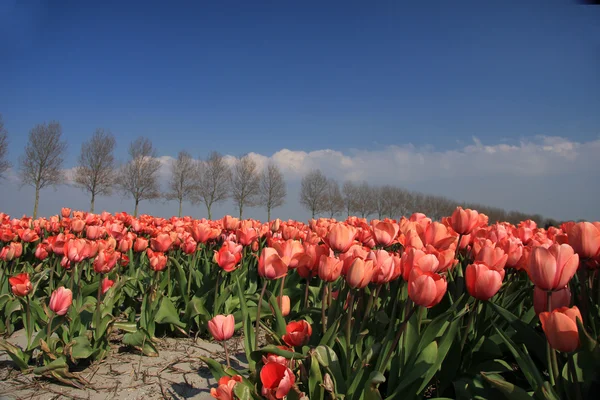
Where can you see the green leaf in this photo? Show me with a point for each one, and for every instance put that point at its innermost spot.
(315, 379)
(511, 391)
(271, 349)
(444, 346)
(15, 353)
(248, 329)
(181, 280)
(125, 326)
(371, 391)
(141, 341)
(80, 348)
(426, 359)
(168, 314)
(58, 364)
(280, 324)
(215, 368)
(328, 359)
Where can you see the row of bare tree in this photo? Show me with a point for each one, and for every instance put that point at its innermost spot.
(214, 180)
(321, 195)
(210, 181)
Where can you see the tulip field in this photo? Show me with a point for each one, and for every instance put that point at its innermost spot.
(460, 308)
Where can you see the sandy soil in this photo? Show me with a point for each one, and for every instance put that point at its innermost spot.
(176, 373)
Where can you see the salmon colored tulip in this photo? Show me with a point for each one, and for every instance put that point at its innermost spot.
(489, 254)
(224, 390)
(483, 282)
(246, 236)
(284, 304)
(297, 333)
(552, 268)
(560, 298)
(464, 221)
(308, 264)
(140, 244)
(77, 225)
(385, 233)
(20, 284)
(584, 237)
(437, 235)
(230, 223)
(290, 251)
(158, 260)
(426, 288)
(513, 247)
(189, 245)
(41, 251)
(414, 258)
(330, 268)
(384, 266)
(11, 251)
(94, 232)
(560, 327)
(106, 284)
(341, 237)
(105, 261)
(162, 242)
(360, 273)
(221, 327)
(228, 256)
(277, 380)
(60, 300)
(65, 212)
(28, 235)
(270, 264)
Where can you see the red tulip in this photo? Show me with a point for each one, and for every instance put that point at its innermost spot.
(360, 273)
(341, 237)
(106, 284)
(584, 237)
(464, 221)
(270, 264)
(228, 256)
(20, 284)
(277, 380)
(426, 288)
(298, 333)
(330, 268)
(158, 260)
(271, 357)
(560, 327)
(162, 242)
(221, 327)
(224, 390)
(60, 300)
(560, 298)
(483, 282)
(552, 268)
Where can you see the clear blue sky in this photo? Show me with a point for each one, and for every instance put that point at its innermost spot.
(241, 76)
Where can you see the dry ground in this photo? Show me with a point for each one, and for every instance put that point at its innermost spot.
(176, 373)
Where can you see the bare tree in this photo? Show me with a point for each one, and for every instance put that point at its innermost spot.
(245, 183)
(364, 203)
(41, 165)
(4, 164)
(184, 177)
(349, 195)
(139, 177)
(313, 193)
(272, 189)
(95, 171)
(335, 201)
(213, 183)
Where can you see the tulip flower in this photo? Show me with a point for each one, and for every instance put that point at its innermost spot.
(385, 233)
(271, 357)
(384, 266)
(246, 236)
(224, 390)
(487, 253)
(483, 282)
(162, 242)
(41, 251)
(341, 237)
(330, 268)
(560, 328)
(297, 333)
(284, 304)
(106, 284)
(140, 244)
(158, 261)
(228, 256)
(270, 264)
(291, 251)
(426, 288)
(105, 261)
(464, 221)
(28, 235)
(221, 327)
(60, 300)
(277, 380)
(20, 284)
(560, 298)
(584, 237)
(65, 212)
(552, 268)
(360, 273)
(11, 251)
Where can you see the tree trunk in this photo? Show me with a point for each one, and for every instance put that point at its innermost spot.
(268, 214)
(241, 210)
(180, 201)
(135, 210)
(92, 203)
(313, 213)
(208, 209)
(37, 200)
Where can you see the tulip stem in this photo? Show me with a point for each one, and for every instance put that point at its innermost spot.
(368, 309)
(348, 333)
(97, 315)
(397, 339)
(49, 327)
(574, 378)
(226, 353)
(281, 288)
(28, 325)
(217, 286)
(306, 291)
(323, 306)
(260, 299)
(549, 350)
(469, 324)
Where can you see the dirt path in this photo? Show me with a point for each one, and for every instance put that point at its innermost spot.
(176, 373)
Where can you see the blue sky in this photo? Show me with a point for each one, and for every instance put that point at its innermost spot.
(349, 76)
